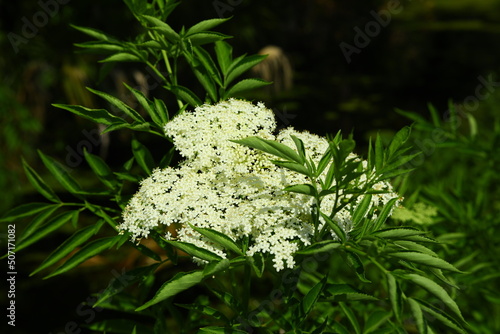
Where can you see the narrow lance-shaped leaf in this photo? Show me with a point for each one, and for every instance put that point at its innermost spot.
(219, 238)
(143, 156)
(75, 240)
(36, 222)
(335, 227)
(223, 51)
(443, 317)
(395, 295)
(271, 147)
(100, 116)
(25, 210)
(425, 259)
(355, 263)
(60, 174)
(86, 252)
(312, 296)
(102, 170)
(305, 189)
(351, 316)
(205, 25)
(49, 227)
(418, 315)
(384, 214)
(39, 184)
(437, 291)
(244, 85)
(195, 250)
(161, 26)
(119, 104)
(178, 283)
(361, 209)
(240, 65)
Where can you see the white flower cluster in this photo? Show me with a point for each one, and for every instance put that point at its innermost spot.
(231, 188)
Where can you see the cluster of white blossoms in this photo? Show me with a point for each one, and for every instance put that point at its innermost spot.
(231, 188)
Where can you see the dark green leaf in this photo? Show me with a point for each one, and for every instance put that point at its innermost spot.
(312, 296)
(375, 320)
(335, 227)
(100, 116)
(418, 315)
(395, 295)
(214, 267)
(441, 316)
(120, 105)
(240, 65)
(437, 291)
(305, 189)
(186, 95)
(122, 57)
(162, 27)
(37, 221)
(350, 293)
(195, 251)
(383, 215)
(224, 53)
(319, 247)
(205, 25)
(271, 147)
(119, 326)
(39, 184)
(143, 156)
(60, 174)
(102, 170)
(397, 233)
(355, 263)
(75, 240)
(244, 85)
(91, 249)
(26, 210)
(299, 168)
(361, 209)
(258, 263)
(352, 318)
(425, 259)
(219, 238)
(52, 225)
(178, 283)
(95, 33)
(206, 37)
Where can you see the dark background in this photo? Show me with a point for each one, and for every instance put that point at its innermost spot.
(431, 51)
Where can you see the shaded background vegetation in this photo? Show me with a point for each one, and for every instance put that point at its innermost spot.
(432, 51)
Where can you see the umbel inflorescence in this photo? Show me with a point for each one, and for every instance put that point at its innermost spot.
(232, 188)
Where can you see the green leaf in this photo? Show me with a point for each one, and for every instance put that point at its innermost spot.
(95, 33)
(219, 330)
(361, 209)
(312, 296)
(219, 238)
(100, 47)
(299, 168)
(418, 315)
(162, 112)
(178, 283)
(384, 214)
(39, 184)
(60, 174)
(334, 227)
(125, 279)
(258, 263)
(395, 295)
(240, 66)
(348, 292)
(355, 263)
(143, 156)
(352, 318)
(102, 170)
(206, 37)
(91, 249)
(319, 247)
(441, 316)
(244, 85)
(425, 259)
(205, 25)
(305, 189)
(120, 105)
(52, 225)
(223, 51)
(25, 210)
(214, 267)
(399, 139)
(208, 64)
(323, 163)
(75, 240)
(100, 116)
(375, 320)
(37, 221)
(122, 57)
(413, 246)
(162, 27)
(185, 94)
(195, 251)
(437, 291)
(271, 147)
(397, 233)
